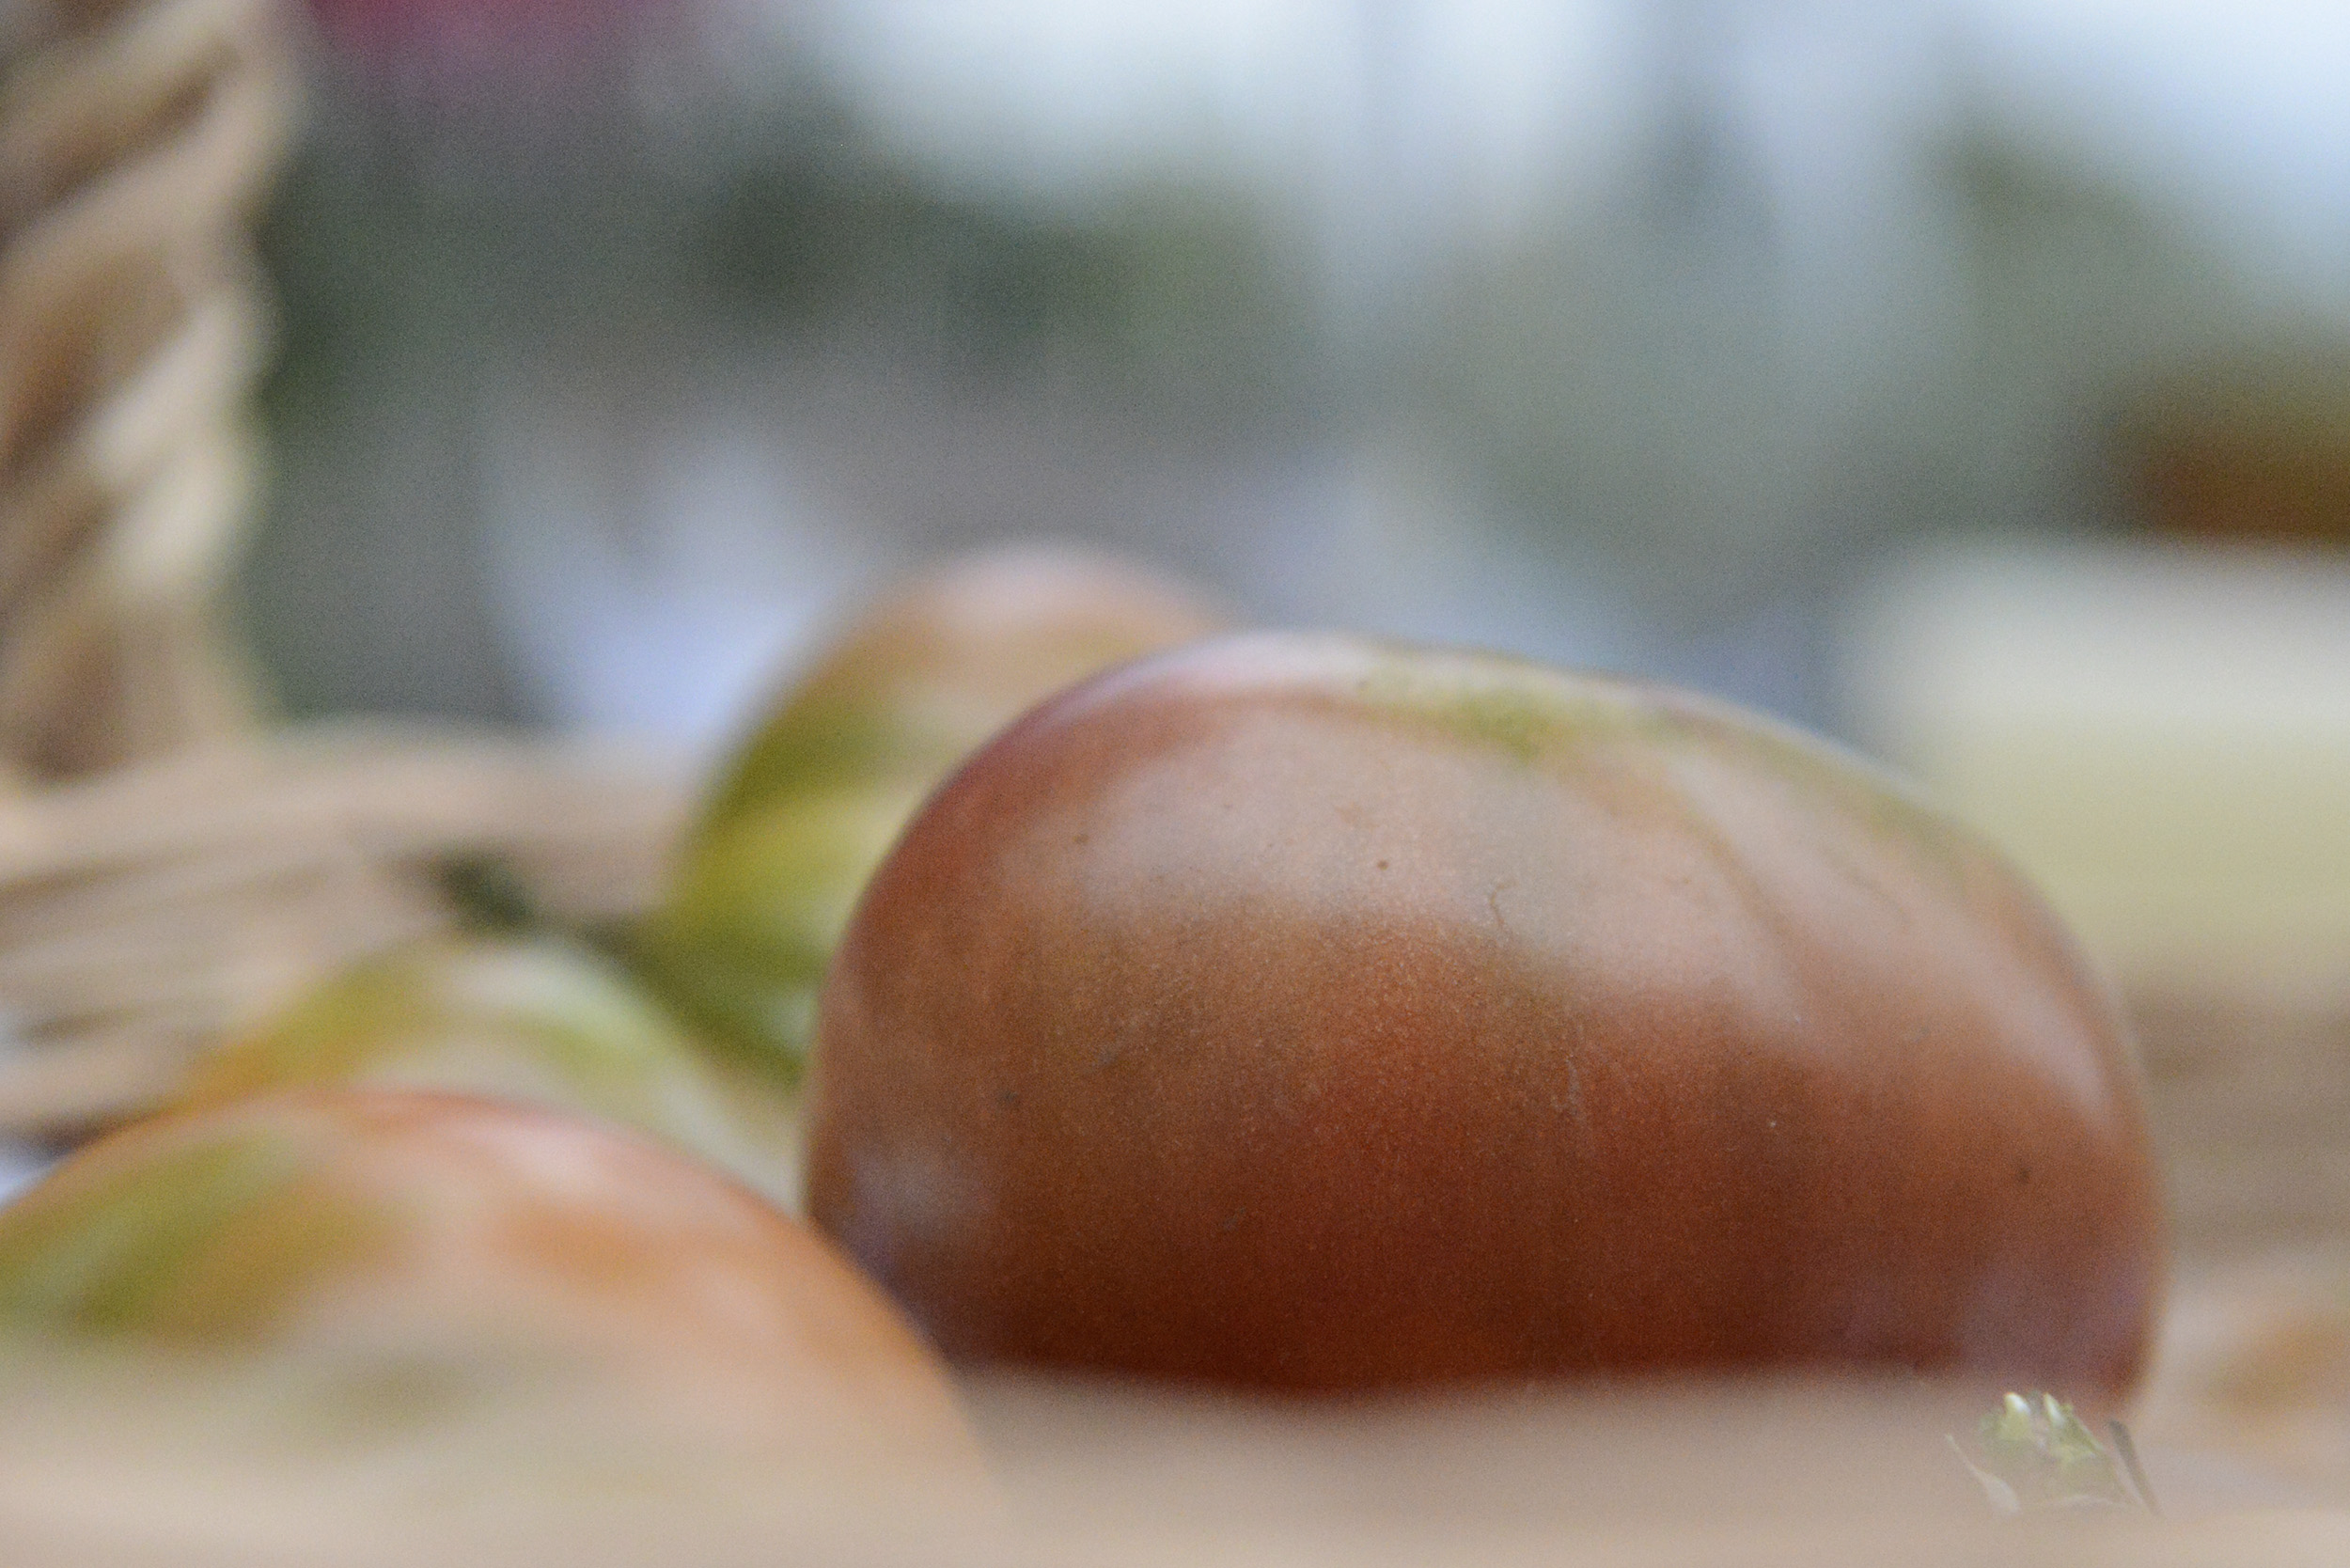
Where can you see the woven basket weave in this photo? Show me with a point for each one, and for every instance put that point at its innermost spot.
(168, 869)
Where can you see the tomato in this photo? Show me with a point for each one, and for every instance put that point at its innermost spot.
(1299, 1012)
(537, 1019)
(380, 1241)
(816, 795)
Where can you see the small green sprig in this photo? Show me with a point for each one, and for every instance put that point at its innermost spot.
(2034, 1454)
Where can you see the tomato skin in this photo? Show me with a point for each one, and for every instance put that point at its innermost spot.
(934, 668)
(1297, 1012)
(532, 1018)
(815, 796)
(496, 1247)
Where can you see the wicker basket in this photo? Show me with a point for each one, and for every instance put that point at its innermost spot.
(149, 909)
(168, 871)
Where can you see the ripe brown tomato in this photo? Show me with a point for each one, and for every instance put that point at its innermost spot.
(1293, 1010)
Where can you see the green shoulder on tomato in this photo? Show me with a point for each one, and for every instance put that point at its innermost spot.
(536, 1019)
(816, 794)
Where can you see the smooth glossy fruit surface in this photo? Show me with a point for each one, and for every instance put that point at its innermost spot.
(456, 1249)
(815, 797)
(1301, 1012)
(534, 1019)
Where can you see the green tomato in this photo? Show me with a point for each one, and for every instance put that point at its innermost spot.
(533, 1019)
(815, 796)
